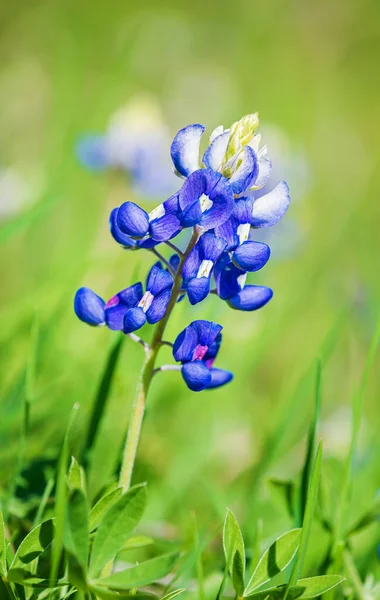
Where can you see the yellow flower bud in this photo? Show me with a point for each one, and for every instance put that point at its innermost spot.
(241, 134)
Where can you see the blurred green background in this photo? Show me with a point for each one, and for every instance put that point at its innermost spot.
(310, 69)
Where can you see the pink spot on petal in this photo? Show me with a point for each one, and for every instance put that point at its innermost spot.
(199, 352)
(112, 302)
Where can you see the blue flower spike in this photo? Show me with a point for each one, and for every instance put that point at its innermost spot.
(196, 347)
(220, 202)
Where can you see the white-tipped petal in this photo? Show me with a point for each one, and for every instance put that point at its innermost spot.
(185, 149)
(265, 168)
(217, 131)
(214, 155)
(270, 209)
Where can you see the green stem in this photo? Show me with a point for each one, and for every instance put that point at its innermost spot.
(146, 376)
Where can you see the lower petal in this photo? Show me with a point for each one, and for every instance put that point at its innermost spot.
(251, 256)
(219, 377)
(134, 318)
(165, 228)
(251, 297)
(158, 307)
(196, 375)
(89, 307)
(198, 289)
(133, 220)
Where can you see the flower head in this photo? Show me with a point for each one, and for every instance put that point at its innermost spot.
(129, 309)
(196, 347)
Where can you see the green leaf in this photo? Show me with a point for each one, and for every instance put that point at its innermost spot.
(104, 594)
(99, 510)
(173, 594)
(29, 579)
(278, 593)
(274, 560)
(138, 541)
(233, 545)
(76, 532)
(143, 574)
(34, 544)
(238, 574)
(311, 445)
(316, 586)
(3, 545)
(116, 527)
(76, 477)
(308, 519)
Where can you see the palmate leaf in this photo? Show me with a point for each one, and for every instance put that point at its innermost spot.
(234, 551)
(278, 593)
(143, 574)
(116, 527)
(99, 510)
(274, 560)
(34, 544)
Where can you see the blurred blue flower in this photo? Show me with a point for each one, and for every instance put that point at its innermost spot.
(135, 142)
(196, 347)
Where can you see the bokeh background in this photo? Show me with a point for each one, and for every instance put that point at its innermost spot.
(311, 70)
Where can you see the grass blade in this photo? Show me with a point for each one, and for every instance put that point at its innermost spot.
(311, 503)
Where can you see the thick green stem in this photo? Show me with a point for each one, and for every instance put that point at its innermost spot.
(146, 376)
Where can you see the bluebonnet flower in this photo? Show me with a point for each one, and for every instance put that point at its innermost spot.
(219, 201)
(135, 142)
(196, 347)
(129, 309)
(231, 286)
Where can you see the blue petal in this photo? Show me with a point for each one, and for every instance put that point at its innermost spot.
(241, 215)
(213, 350)
(198, 333)
(185, 149)
(117, 234)
(158, 280)
(174, 261)
(191, 264)
(219, 377)
(165, 228)
(246, 173)
(185, 344)
(196, 375)
(198, 289)
(207, 190)
(91, 152)
(251, 297)
(213, 157)
(119, 304)
(134, 318)
(251, 256)
(228, 278)
(207, 331)
(211, 246)
(89, 307)
(269, 209)
(158, 307)
(133, 220)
